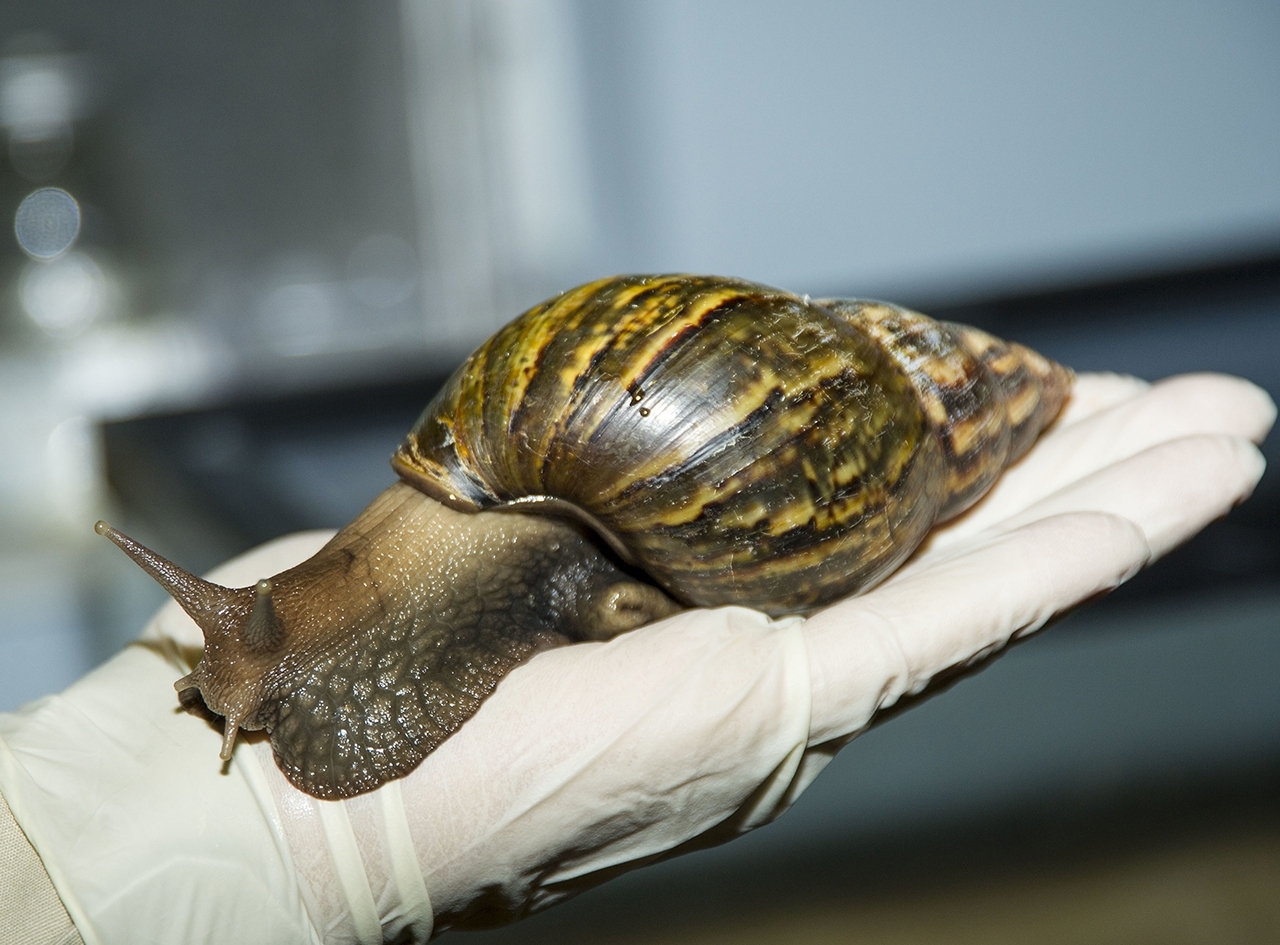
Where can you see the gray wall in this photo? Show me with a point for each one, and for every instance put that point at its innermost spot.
(926, 145)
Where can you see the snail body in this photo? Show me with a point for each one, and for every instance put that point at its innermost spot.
(672, 441)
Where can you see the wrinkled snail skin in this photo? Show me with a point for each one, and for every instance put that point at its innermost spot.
(732, 442)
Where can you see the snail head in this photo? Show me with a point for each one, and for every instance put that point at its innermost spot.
(243, 636)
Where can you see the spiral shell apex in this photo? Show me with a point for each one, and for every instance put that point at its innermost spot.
(741, 444)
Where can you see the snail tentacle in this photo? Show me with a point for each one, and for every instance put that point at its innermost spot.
(213, 608)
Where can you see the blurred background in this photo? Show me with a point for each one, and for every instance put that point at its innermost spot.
(248, 240)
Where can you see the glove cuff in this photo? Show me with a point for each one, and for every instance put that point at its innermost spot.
(145, 837)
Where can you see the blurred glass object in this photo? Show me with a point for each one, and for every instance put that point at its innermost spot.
(500, 157)
(47, 223)
(42, 640)
(124, 370)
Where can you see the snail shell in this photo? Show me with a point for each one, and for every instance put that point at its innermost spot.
(731, 443)
(742, 444)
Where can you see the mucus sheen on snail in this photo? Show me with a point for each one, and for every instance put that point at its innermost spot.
(667, 441)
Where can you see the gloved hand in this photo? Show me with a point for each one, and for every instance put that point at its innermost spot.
(599, 755)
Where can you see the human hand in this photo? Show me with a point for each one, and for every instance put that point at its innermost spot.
(598, 756)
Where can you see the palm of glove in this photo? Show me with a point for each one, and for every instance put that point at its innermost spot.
(595, 756)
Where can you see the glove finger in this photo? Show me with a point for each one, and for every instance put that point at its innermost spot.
(867, 652)
(1182, 406)
(1096, 391)
(1170, 491)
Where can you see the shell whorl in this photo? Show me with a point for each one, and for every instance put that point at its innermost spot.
(742, 444)
(987, 399)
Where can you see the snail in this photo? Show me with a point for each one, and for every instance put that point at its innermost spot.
(666, 441)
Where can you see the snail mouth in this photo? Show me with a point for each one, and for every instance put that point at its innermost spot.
(191, 698)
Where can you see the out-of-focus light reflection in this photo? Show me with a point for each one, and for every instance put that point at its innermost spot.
(116, 371)
(38, 93)
(47, 222)
(40, 96)
(382, 271)
(64, 296)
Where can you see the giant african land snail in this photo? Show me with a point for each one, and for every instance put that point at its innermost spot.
(674, 441)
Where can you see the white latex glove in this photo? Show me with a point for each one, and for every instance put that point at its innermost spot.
(595, 756)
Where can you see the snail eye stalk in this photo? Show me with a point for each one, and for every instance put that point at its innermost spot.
(217, 610)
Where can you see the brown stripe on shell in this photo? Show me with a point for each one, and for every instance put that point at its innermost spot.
(1034, 387)
(963, 398)
(812, 494)
(636, 409)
